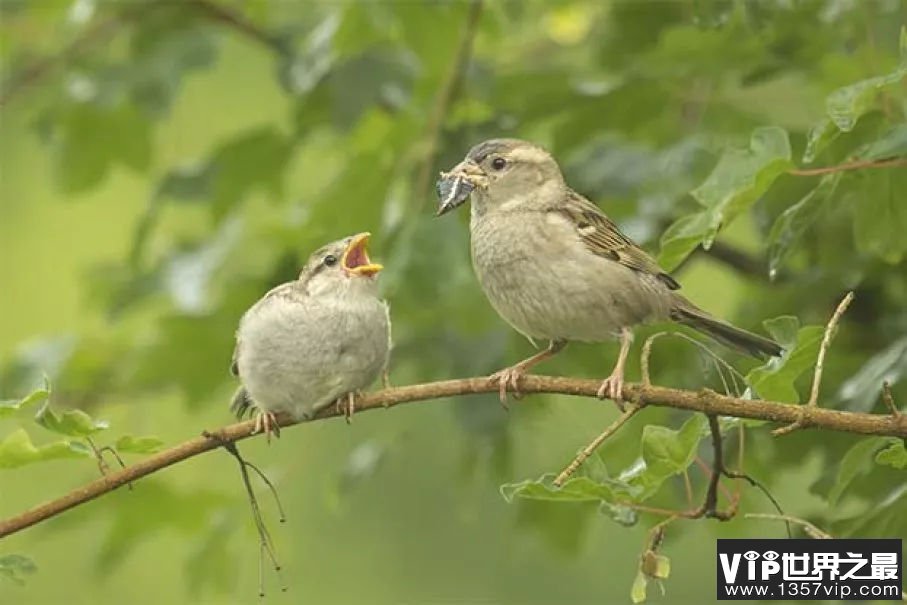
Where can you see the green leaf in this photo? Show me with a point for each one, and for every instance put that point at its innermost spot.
(681, 238)
(889, 365)
(190, 182)
(619, 513)
(12, 567)
(254, 160)
(737, 181)
(893, 143)
(664, 453)
(790, 226)
(18, 450)
(817, 139)
(670, 450)
(741, 176)
(854, 462)
(638, 591)
(8, 407)
(846, 105)
(72, 423)
(300, 71)
(895, 455)
(91, 139)
(654, 565)
(138, 445)
(880, 217)
(164, 49)
(775, 379)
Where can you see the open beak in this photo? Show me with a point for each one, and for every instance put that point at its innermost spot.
(454, 187)
(355, 258)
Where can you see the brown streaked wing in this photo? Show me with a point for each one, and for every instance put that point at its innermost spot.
(602, 237)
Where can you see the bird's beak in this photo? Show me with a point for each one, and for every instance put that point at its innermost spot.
(455, 186)
(355, 259)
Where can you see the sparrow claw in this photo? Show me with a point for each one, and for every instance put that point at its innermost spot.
(266, 422)
(612, 388)
(508, 377)
(346, 405)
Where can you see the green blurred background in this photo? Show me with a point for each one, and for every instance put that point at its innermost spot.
(168, 162)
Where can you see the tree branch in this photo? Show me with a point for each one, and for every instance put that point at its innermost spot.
(737, 259)
(705, 401)
(94, 34)
(237, 21)
(102, 30)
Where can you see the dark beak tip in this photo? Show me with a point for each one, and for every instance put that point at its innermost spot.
(453, 190)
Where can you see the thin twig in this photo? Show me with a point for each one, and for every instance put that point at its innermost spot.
(855, 165)
(688, 487)
(710, 505)
(888, 399)
(704, 401)
(594, 445)
(446, 94)
(708, 473)
(820, 365)
(719, 363)
(265, 541)
(103, 467)
(823, 348)
(237, 21)
(808, 527)
(644, 356)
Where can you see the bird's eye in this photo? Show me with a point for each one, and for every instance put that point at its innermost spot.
(498, 163)
(330, 260)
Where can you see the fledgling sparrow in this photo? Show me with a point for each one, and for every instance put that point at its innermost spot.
(315, 341)
(555, 267)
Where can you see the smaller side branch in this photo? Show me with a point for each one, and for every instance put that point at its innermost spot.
(855, 165)
(709, 507)
(809, 528)
(888, 400)
(595, 444)
(820, 365)
(823, 348)
(237, 21)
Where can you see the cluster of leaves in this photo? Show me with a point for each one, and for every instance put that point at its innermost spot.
(77, 428)
(690, 121)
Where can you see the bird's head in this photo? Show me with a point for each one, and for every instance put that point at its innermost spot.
(497, 172)
(340, 267)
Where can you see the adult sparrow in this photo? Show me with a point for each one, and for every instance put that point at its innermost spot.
(314, 341)
(555, 267)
